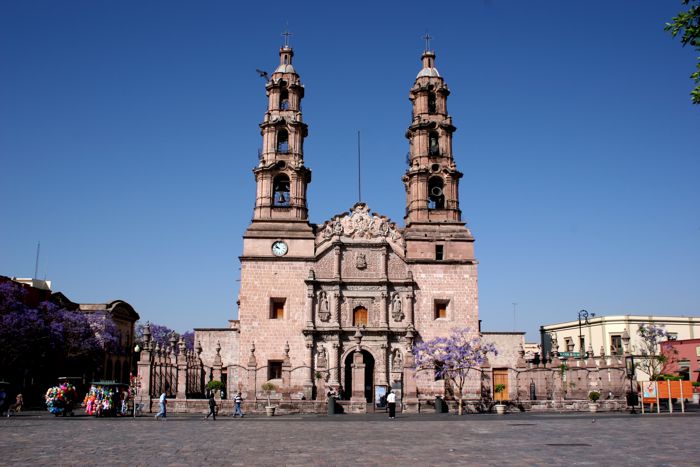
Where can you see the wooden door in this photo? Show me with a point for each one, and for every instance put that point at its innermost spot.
(360, 316)
(500, 376)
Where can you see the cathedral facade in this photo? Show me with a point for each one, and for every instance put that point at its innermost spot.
(338, 305)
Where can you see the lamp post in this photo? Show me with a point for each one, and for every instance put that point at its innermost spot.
(582, 315)
(632, 399)
(135, 379)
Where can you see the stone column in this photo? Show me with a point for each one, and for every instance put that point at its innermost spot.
(409, 307)
(336, 262)
(309, 382)
(144, 372)
(336, 310)
(383, 264)
(252, 386)
(333, 365)
(358, 378)
(181, 370)
(216, 368)
(310, 306)
(383, 309)
(286, 373)
(382, 367)
(410, 391)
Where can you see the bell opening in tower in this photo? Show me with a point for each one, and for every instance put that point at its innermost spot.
(436, 199)
(282, 141)
(281, 191)
(434, 146)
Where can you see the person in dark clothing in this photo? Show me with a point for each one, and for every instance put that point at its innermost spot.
(212, 407)
(391, 399)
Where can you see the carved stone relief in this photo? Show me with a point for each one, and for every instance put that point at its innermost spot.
(396, 307)
(359, 223)
(324, 313)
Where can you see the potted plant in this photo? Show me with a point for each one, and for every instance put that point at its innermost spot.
(500, 407)
(696, 392)
(268, 388)
(593, 396)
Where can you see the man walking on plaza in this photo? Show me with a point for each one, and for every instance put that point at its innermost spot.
(391, 400)
(237, 399)
(212, 406)
(163, 402)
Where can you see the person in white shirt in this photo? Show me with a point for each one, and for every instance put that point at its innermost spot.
(163, 402)
(391, 400)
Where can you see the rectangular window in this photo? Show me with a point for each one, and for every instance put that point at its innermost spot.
(440, 309)
(274, 369)
(277, 308)
(569, 344)
(616, 344)
(439, 252)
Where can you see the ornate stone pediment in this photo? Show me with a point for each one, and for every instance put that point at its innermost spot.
(360, 224)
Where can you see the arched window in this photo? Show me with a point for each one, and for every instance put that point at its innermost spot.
(432, 103)
(282, 141)
(280, 186)
(433, 144)
(359, 316)
(436, 196)
(284, 99)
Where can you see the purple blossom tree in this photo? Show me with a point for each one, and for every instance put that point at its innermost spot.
(453, 357)
(160, 334)
(652, 361)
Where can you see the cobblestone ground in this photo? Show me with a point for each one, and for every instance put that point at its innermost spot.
(37, 438)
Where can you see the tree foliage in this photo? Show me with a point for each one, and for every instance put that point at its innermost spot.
(40, 339)
(650, 337)
(687, 24)
(161, 334)
(453, 358)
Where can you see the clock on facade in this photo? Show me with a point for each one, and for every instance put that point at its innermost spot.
(279, 248)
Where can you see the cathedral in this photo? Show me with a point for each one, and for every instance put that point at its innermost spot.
(337, 306)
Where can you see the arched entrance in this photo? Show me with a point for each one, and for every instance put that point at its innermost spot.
(368, 360)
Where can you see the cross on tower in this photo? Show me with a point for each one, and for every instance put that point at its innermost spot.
(427, 38)
(286, 35)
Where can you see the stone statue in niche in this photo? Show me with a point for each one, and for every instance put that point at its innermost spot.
(361, 261)
(397, 362)
(396, 307)
(322, 358)
(324, 312)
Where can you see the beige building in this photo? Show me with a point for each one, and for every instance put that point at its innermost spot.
(603, 335)
(339, 304)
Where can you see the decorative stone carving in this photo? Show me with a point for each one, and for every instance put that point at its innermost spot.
(397, 361)
(396, 307)
(361, 261)
(322, 357)
(324, 312)
(359, 223)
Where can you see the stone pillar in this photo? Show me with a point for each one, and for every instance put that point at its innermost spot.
(358, 378)
(383, 264)
(252, 386)
(181, 370)
(216, 368)
(143, 395)
(309, 382)
(333, 365)
(409, 307)
(336, 310)
(410, 391)
(383, 310)
(382, 367)
(336, 262)
(310, 305)
(286, 373)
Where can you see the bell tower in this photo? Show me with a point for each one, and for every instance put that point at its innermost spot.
(281, 179)
(434, 228)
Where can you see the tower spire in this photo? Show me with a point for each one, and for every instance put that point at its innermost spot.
(286, 35)
(427, 38)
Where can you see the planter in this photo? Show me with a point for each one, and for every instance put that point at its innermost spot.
(270, 411)
(592, 407)
(500, 409)
(696, 398)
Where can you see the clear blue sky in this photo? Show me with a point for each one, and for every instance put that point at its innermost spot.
(128, 131)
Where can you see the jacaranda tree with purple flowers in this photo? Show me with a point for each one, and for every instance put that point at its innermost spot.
(453, 357)
(653, 361)
(160, 334)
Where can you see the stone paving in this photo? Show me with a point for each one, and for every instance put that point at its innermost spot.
(38, 438)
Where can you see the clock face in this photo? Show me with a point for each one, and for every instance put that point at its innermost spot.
(279, 248)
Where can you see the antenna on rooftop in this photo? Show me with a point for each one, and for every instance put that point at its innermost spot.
(36, 264)
(359, 169)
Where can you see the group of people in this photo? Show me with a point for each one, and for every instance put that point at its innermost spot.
(8, 409)
(237, 401)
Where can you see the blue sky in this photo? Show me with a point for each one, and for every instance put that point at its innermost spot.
(128, 131)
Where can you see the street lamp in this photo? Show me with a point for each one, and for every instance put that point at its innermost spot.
(632, 399)
(582, 315)
(137, 349)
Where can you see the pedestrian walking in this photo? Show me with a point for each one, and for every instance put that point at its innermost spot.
(391, 400)
(163, 403)
(237, 400)
(212, 406)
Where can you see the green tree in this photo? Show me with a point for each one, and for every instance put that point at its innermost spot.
(687, 24)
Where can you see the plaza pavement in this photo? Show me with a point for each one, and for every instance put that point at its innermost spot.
(38, 438)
